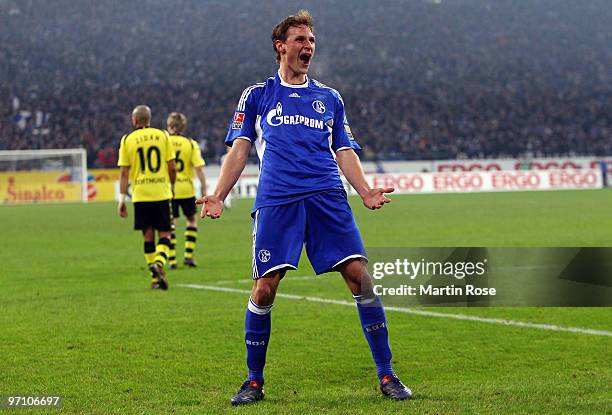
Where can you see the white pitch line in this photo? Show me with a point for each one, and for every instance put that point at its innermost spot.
(250, 280)
(503, 322)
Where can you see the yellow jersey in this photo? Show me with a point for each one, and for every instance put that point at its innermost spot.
(146, 151)
(187, 157)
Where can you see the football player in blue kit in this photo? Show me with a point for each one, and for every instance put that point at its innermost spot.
(300, 131)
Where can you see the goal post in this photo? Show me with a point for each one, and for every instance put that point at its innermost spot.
(43, 176)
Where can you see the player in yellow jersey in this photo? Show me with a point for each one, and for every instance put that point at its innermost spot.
(188, 161)
(146, 158)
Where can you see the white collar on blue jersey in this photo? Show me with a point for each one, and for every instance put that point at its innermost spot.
(283, 83)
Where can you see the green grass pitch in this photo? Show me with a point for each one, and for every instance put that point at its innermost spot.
(77, 317)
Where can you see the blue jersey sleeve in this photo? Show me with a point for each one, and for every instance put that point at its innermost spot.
(342, 137)
(243, 121)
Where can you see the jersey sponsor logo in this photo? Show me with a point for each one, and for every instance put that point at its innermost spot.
(294, 95)
(275, 118)
(264, 255)
(238, 120)
(318, 106)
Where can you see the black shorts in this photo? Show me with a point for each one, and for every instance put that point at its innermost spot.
(156, 215)
(188, 206)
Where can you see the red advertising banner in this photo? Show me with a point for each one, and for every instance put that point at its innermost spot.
(488, 181)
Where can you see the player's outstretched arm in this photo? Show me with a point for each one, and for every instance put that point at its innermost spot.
(351, 168)
(233, 165)
(124, 174)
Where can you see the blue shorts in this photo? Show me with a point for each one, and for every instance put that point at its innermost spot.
(324, 222)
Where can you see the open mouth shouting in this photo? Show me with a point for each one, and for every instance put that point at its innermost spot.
(305, 58)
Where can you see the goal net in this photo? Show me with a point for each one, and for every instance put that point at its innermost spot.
(43, 176)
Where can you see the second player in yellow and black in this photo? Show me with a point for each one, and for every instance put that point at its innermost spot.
(189, 163)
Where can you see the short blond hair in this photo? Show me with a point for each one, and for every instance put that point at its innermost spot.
(176, 123)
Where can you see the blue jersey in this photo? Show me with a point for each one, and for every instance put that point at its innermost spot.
(296, 130)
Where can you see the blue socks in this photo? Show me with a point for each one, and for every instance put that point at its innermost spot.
(256, 337)
(257, 326)
(374, 324)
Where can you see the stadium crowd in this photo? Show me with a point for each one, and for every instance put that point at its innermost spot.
(421, 79)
